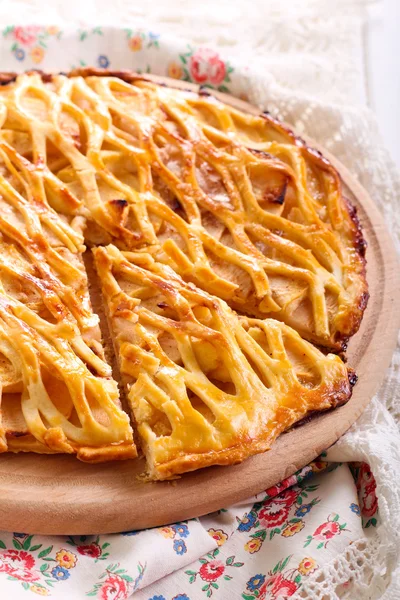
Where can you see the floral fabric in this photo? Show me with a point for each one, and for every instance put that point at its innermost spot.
(266, 547)
(110, 48)
(262, 548)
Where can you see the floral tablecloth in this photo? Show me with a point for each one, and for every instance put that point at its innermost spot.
(319, 533)
(266, 547)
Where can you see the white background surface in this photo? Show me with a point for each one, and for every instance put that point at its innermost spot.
(383, 70)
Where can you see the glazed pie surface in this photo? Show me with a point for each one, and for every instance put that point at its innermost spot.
(57, 391)
(205, 385)
(211, 228)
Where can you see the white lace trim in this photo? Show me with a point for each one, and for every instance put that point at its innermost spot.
(362, 571)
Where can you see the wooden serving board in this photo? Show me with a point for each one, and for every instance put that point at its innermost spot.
(57, 494)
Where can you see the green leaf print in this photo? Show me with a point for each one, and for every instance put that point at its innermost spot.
(27, 542)
(308, 542)
(45, 552)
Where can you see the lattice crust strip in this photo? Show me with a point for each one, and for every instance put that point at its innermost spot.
(57, 404)
(233, 202)
(205, 385)
(57, 391)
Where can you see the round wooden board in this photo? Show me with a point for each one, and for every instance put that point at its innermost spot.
(60, 495)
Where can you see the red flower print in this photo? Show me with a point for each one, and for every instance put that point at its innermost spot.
(279, 488)
(206, 66)
(364, 475)
(212, 570)
(274, 490)
(273, 514)
(5, 567)
(276, 511)
(366, 487)
(289, 481)
(17, 559)
(26, 35)
(18, 564)
(288, 498)
(114, 588)
(216, 72)
(278, 587)
(23, 574)
(326, 531)
(369, 501)
(283, 588)
(93, 550)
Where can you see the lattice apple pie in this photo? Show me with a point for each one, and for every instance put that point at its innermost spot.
(224, 249)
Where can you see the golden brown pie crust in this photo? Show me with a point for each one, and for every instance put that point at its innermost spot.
(224, 209)
(206, 386)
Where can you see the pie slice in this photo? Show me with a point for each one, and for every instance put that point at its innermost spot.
(206, 386)
(57, 391)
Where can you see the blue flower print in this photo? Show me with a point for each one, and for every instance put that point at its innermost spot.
(157, 598)
(247, 522)
(255, 582)
(180, 547)
(60, 573)
(103, 61)
(19, 54)
(355, 508)
(181, 597)
(181, 530)
(153, 39)
(303, 510)
(20, 535)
